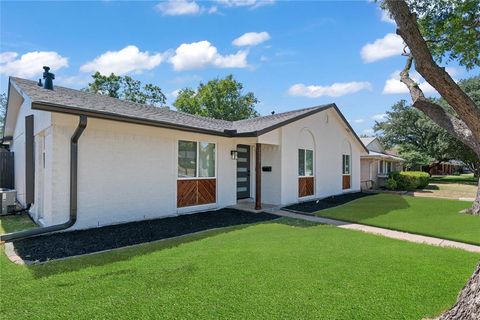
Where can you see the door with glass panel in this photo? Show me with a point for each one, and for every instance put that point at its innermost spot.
(243, 171)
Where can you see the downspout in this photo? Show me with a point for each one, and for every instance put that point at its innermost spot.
(73, 192)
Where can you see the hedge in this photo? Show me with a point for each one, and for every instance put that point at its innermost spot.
(407, 180)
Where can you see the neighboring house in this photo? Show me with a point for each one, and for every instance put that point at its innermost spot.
(377, 164)
(135, 162)
(447, 168)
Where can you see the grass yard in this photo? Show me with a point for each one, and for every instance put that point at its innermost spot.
(448, 190)
(427, 216)
(463, 178)
(281, 269)
(15, 223)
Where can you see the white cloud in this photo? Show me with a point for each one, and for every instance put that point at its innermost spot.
(246, 3)
(388, 46)
(197, 55)
(31, 63)
(395, 86)
(213, 9)
(7, 56)
(359, 120)
(379, 117)
(77, 81)
(128, 59)
(385, 16)
(178, 7)
(174, 93)
(334, 90)
(368, 132)
(251, 39)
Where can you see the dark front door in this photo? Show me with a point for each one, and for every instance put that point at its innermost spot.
(243, 171)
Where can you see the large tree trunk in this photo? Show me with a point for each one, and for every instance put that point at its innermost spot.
(468, 302)
(476, 203)
(465, 125)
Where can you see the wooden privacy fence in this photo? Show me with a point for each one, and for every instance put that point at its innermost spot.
(7, 177)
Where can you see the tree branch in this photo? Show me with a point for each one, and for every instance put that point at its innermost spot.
(439, 115)
(430, 71)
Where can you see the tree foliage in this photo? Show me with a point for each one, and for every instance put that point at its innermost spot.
(420, 140)
(219, 99)
(126, 88)
(451, 28)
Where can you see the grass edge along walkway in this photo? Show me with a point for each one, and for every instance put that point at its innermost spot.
(389, 233)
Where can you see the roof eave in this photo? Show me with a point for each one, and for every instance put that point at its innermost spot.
(44, 106)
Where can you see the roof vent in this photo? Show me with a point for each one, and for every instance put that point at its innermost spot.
(48, 76)
(273, 112)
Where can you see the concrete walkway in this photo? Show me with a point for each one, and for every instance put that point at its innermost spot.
(381, 231)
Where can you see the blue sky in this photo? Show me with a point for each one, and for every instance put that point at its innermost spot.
(290, 54)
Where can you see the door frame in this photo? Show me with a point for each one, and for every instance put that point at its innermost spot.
(248, 183)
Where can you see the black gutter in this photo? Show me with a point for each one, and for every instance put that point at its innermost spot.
(73, 192)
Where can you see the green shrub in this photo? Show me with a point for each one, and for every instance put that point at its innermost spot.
(391, 184)
(410, 180)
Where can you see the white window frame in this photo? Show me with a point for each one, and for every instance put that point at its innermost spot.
(305, 163)
(197, 160)
(349, 165)
(383, 167)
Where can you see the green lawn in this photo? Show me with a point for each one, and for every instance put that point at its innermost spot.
(282, 269)
(463, 178)
(427, 216)
(15, 223)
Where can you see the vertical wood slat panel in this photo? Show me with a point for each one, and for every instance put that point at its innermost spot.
(194, 192)
(306, 186)
(346, 182)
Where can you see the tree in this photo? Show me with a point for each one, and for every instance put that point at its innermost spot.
(3, 109)
(420, 140)
(442, 23)
(219, 99)
(450, 29)
(126, 88)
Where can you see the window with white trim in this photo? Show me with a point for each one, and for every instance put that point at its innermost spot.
(384, 167)
(305, 163)
(381, 167)
(196, 159)
(346, 164)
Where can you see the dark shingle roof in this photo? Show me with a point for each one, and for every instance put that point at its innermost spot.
(72, 101)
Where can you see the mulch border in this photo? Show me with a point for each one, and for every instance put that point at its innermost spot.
(174, 227)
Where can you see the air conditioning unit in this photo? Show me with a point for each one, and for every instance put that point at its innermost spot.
(7, 200)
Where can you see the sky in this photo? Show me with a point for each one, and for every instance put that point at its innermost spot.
(291, 55)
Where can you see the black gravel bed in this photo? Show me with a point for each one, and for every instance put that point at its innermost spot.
(72, 243)
(310, 207)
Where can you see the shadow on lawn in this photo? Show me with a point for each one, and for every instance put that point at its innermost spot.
(76, 263)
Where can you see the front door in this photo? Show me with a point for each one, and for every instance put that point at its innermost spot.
(243, 171)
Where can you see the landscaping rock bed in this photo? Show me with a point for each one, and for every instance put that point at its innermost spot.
(66, 244)
(309, 207)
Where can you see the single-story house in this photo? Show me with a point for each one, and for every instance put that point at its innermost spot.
(377, 164)
(108, 161)
(447, 168)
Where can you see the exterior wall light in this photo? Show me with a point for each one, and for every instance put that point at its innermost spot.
(234, 154)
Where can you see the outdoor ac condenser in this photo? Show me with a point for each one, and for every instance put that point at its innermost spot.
(7, 200)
